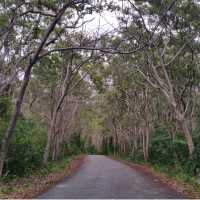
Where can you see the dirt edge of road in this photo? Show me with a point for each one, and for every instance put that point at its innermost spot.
(184, 189)
(40, 184)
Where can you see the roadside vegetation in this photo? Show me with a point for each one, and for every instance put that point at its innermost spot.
(40, 180)
(132, 91)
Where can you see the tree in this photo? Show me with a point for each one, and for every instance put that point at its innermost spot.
(32, 60)
(163, 50)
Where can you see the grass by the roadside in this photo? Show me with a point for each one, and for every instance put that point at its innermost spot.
(178, 174)
(174, 175)
(54, 166)
(39, 179)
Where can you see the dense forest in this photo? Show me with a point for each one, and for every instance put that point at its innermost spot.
(131, 91)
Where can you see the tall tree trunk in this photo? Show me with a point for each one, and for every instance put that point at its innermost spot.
(188, 137)
(144, 145)
(48, 146)
(184, 128)
(54, 147)
(51, 133)
(147, 143)
(9, 132)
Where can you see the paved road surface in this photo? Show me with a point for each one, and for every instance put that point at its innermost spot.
(100, 177)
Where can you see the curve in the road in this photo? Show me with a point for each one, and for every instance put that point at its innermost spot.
(102, 178)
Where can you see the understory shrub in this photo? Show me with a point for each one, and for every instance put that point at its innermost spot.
(165, 150)
(193, 164)
(75, 145)
(173, 153)
(26, 148)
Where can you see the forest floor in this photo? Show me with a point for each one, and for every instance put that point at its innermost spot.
(41, 180)
(187, 189)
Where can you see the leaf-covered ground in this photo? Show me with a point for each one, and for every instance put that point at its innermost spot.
(189, 190)
(41, 180)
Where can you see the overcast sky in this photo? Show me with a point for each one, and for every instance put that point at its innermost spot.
(104, 22)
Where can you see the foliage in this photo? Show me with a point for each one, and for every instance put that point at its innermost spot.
(26, 149)
(170, 154)
(78, 145)
(193, 164)
(167, 150)
(39, 175)
(5, 107)
(122, 101)
(107, 149)
(75, 146)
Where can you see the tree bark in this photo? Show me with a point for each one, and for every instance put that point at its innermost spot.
(188, 137)
(184, 128)
(48, 144)
(147, 144)
(51, 132)
(9, 132)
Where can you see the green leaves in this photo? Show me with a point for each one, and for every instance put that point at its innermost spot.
(47, 71)
(5, 107)
(26, 150)
(3, 21)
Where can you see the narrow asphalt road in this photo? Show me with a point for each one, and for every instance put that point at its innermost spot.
(102, 178)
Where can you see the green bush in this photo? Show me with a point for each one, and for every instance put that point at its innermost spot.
(91, 149)
(137, 156)
(193, 165)
(167, 151)
(78, 145)
(108, 146)
(174, 153)
(161, 149)
(75, 146)
(26, 149)
(5, 107)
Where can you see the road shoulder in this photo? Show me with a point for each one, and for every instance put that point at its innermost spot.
(184, 189)
(33, 186)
